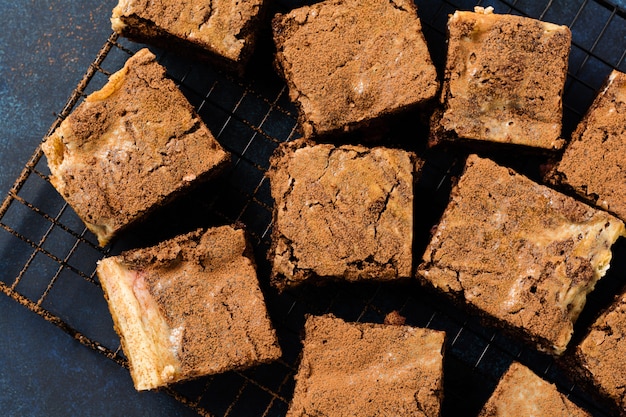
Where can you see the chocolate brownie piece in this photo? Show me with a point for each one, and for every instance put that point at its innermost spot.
(363, 369)
(188, 307)
(129, 148)
(600, 356)
(592, 164)
(519, 253)
(348, 63)
(521, 392)
(344, 212)
(503, 80)
(225, 29)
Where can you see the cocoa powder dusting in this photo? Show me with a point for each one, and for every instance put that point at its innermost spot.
(504, 80)
(206, 288)
(350, 369)
(226, 28)
(349, 62)
(343, 212)
(130, 147)
(601, 354)
(592, 164)
(521, 392)
(519, 252)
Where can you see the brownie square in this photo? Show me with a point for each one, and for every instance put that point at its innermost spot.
(129, 148)
(340, 212)
(220, 29)
(519, 253)
(364, 369)
(189, 306)
(503, 81)
(347, 63)
(593, 162)
(521, 392)
(600, 356)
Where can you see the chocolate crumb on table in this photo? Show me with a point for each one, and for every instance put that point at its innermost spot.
(224, 30)
(130, 148)
(348, 63)
(503, 81)
(188, 307)
(394, 318)
(600, 357)
(593, 162)
(518, 253)
(521, 392)
(341, 212)
(364, 369)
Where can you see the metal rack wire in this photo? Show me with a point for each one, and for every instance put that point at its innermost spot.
(48, 257)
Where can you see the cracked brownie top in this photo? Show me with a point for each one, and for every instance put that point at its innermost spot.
(129, 147)
(521, 392)
(341, 212)
(363, 369)
(349, 62)
(189, 306)
(519, 252)
(504, 80)
(601, 354)
(593, 162)
(224, 27)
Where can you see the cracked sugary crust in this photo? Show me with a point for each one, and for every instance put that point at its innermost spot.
(347, 63)
(503, 81)
(519, 253)
(521, 392)
(364, 369)
(226, 29)
(343, 212)
(129, 148)
(593, 162)
(600, 357)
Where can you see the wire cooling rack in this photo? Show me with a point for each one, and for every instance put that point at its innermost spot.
(48, 258)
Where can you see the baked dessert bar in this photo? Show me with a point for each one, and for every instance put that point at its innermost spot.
(222, 29)
(363, 369)
(503, 81)
(129, 148)
(519, 253)
(593, 162)
(188, 307)
(347, 63)
(340, 212)
(600, 356)
(521, 392)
